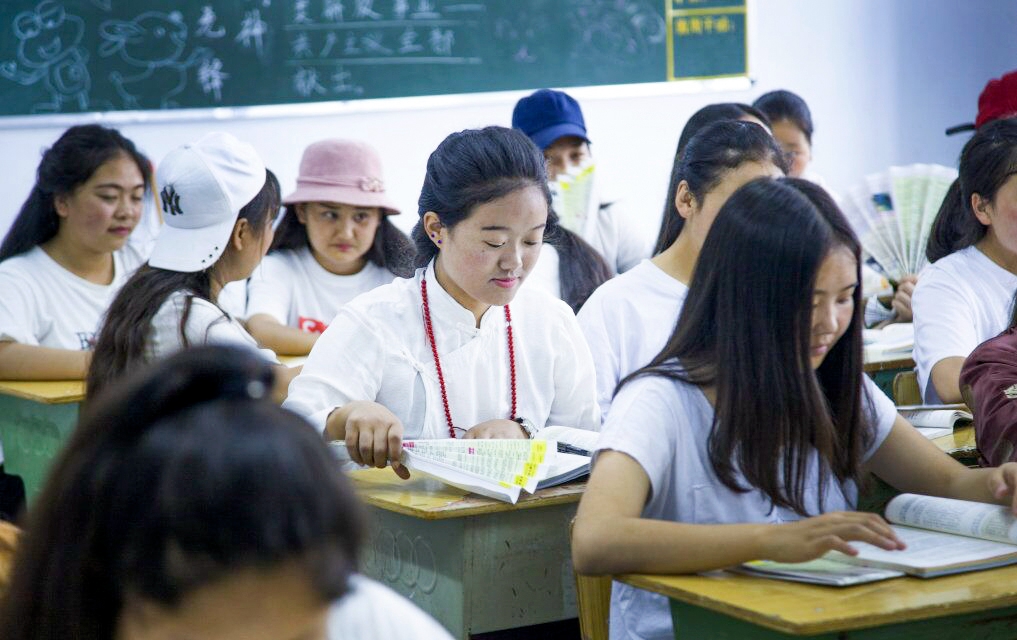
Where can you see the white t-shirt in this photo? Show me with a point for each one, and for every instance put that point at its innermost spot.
(664, 425)
(627, 321)
(609, 229)
(298, 292)
(961, 301)
(370, 611)
(376, 349)
(206, 324)
(44, 304)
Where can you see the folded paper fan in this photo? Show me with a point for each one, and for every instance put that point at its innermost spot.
(892, 213)
(571, 192)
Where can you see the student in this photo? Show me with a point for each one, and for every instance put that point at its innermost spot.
(67, 253)
(745, 438)
(335, 242)
(219, 202)
(670, 225)
(964, 298)
(988, 382)
(791, 123)
(186, 505)
(627, 321)
(459, 350)
(555, 123)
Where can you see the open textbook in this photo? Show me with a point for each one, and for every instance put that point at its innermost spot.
(942, 536)
(935, 420)
(502, 469)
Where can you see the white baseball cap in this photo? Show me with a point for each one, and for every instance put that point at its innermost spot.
(202, 187)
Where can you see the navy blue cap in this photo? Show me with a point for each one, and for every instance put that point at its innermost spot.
(547, 115)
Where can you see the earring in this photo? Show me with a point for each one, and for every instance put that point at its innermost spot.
(439, 242)
(432, 235)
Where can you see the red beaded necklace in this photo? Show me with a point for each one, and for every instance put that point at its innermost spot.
(437, 361)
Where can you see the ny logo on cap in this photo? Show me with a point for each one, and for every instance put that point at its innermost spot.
(170, 200)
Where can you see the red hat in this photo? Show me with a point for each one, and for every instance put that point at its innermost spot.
(997, 100)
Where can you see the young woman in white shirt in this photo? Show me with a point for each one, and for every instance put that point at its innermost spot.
(628, 319)
(335, 242)
(746, 437)
(964, 297)
(458, 350)
(67, 253)
(219, 203)
(188, 506)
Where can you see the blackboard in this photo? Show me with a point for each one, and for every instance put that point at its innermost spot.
(107, 55)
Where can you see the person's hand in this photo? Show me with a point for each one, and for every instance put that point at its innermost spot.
(497, 429)
(373, 435)
(901, 303)
(810, 538)
(1003, 484)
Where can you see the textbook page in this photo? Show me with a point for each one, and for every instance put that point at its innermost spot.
(575, 448)
(936, 418)
(497, 468)
(819, 571)
(932, 553)
(962, 517)
(582, 439)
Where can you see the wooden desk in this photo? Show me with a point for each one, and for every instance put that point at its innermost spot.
(35, 420)
(980, 605)
(960, 444)
(474, 563)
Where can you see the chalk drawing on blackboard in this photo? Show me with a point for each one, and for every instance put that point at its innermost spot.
(153, 43)
(618, 30)
(49, 53)
(207, 27)
(105, 5)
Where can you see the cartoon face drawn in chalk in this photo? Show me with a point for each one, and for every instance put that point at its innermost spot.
(153, 43)
(49, 52)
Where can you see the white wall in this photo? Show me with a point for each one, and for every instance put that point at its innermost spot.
(884, 78)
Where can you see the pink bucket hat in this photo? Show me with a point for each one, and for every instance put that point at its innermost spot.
(343, 171)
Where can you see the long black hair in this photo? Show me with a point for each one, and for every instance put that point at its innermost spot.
(126, 328)
(987, 161)
(475, 166)
(69, 163)
(390, 249)
(173, 479)
(715, 149)
(745, 331)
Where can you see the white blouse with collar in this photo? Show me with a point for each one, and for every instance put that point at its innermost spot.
(376, 349)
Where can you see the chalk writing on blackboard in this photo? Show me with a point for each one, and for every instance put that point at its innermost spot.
(66, 56)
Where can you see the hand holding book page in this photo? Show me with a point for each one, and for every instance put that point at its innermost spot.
(501, 469)
(943, 536)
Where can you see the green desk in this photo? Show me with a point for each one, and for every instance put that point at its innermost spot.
(36, 419)
(723, 606)
(884, 368)
(473, 563)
